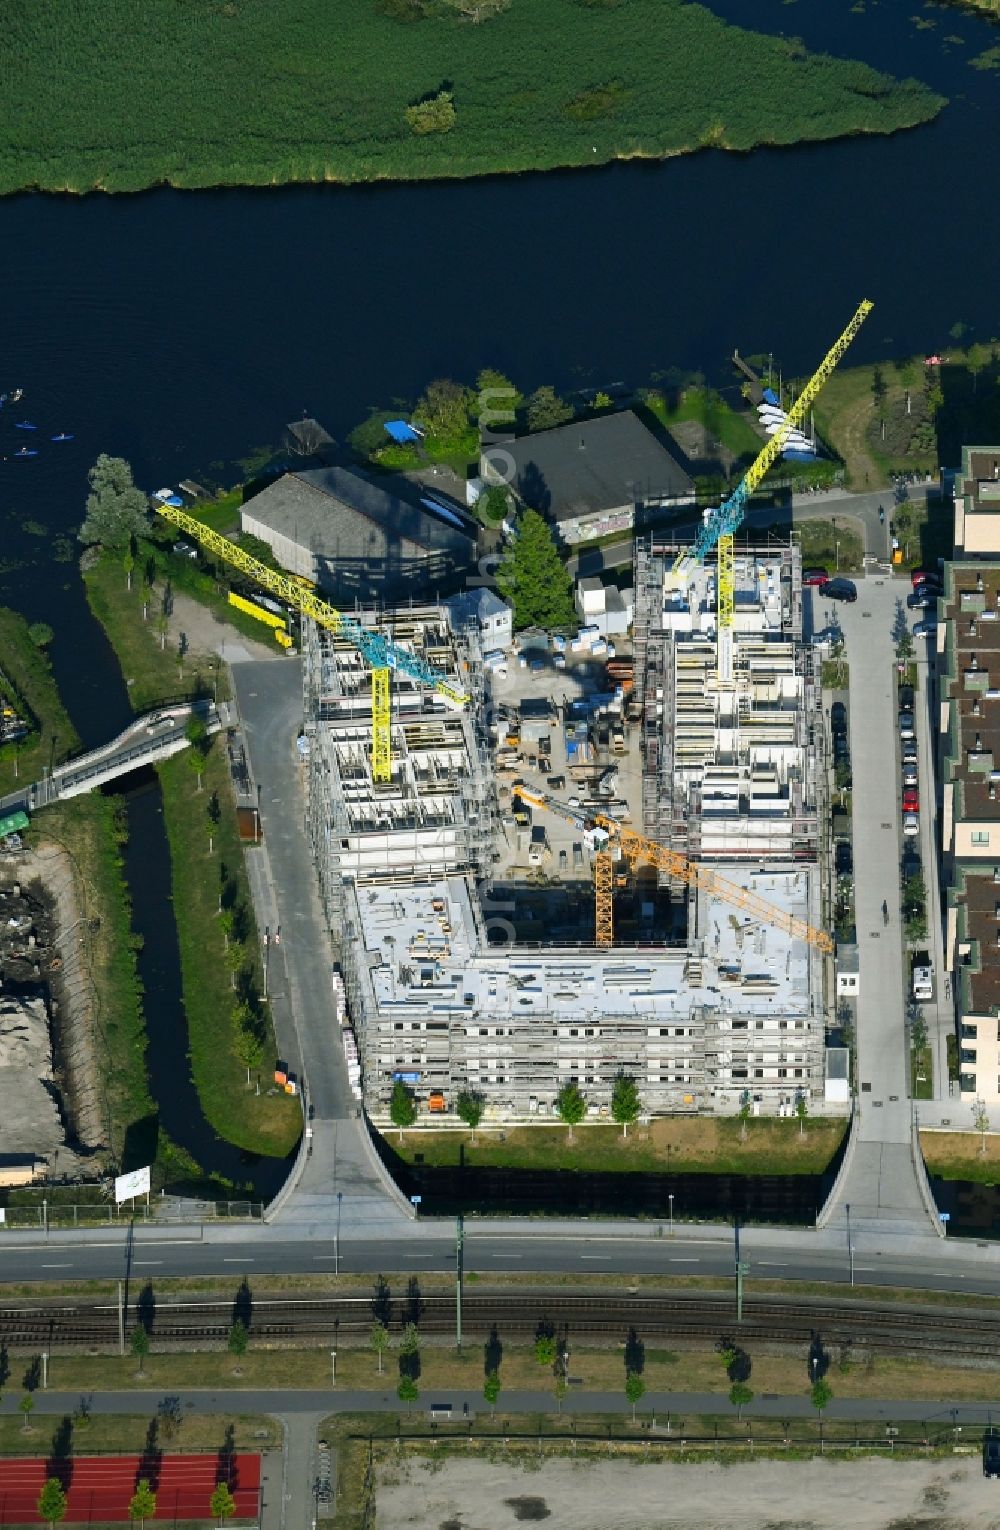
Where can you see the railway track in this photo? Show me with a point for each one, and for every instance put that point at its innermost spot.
(692, 1319)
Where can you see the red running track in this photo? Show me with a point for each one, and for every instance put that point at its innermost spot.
(99, 1488)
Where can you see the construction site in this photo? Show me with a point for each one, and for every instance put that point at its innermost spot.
(566, 858)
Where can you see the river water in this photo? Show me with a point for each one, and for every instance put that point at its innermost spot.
(181, 330)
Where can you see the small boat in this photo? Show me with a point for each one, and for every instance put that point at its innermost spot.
(26, 451)
(17, 395)
(163, 494)
(176, 501)
(25, 425)
(62, 436)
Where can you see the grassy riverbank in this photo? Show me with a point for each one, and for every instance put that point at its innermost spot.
(25, 667)
(264, 1123)
(670, 1144)
(548, 83)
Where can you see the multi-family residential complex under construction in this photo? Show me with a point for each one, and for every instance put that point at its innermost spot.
(704, 1002)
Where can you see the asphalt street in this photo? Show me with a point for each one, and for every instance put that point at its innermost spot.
(512, 1248)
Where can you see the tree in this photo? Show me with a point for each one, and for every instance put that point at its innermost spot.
(470, 1106)
(26, 1404)
(571, 1106)
(878, 386)
(237, 1341)
(116, 509)
(407, 1391)
(635, 1390)
(532, 577)
(52, 1501)
(625, 1102)
(491, 1391)
(213, 815)
(409, 1343)
(443, 411)
(222, 1504)
(744, 1113)
(497, 399)
(139, 1344)
(493, 505)
(801, 1110)
(197, 736)
(379, 1340)
(981, 1122)
(740, 1395)
(402, 1106)
(546, 409)
(545, 1349)
(820, 1394)
(142, 1505)
(41, 634)
(249, 1049)
(975, 360)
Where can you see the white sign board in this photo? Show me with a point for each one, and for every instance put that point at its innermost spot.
(129, 1185)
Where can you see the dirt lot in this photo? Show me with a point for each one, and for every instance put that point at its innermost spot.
(762, 1495)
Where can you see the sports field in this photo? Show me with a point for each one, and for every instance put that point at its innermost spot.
(99, 1488)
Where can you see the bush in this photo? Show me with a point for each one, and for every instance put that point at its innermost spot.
(435, 114)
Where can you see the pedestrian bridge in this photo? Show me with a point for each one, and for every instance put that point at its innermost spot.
(152, 737)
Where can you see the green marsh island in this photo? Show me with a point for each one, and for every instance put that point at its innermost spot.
(120, 95)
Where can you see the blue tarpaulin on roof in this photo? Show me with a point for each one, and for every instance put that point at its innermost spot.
(401, 432)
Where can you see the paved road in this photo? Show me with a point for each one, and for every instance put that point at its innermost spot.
(668, 1409)
(881, 1257)
(882, 1182)
(340, 1167)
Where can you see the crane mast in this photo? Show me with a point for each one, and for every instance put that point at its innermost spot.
(376, 650)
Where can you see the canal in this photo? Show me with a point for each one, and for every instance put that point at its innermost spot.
(181, 330)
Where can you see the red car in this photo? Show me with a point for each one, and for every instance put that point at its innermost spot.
(814, 576)
(911, 800)
(925, 576)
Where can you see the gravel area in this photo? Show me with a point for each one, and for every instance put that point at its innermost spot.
(867, 1494)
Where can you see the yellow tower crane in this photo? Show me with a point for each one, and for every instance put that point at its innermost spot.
(637, 849)
(382, 655)
(720, 525)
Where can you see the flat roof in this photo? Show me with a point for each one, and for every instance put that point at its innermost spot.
(425, 951)
(972, 682)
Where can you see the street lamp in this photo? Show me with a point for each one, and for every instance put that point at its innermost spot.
(670, 1200)
(850, 1245)
(837, 547)
(333, 1367)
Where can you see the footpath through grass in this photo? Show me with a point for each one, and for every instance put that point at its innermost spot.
(25, 668)
(548, 83)
(670, 1144)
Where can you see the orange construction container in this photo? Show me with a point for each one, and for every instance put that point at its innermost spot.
(435, 1102)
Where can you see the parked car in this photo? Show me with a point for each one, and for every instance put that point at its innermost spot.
(921, 600)
(906, 725)
(911, 824)
(843, 858)
(904, 698)
(928, 587)
(814, 576)
(909, 772)
(910, 752)
(839, 589)
(841, 749)
(911, 800)
(838, 717)
(927, 628)
(924, 576)
(991, 1452)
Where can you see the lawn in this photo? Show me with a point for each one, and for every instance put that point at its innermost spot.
(25, 669)
(128, 1433)
(827, 544)
(268, 1123)
(548, 83)
(89, 829)
(734, 429)
(599, 1368)
(962, 1155)
(680, 1145)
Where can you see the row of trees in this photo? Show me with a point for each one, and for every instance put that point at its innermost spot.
(571, 1105)
(53, 1502)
